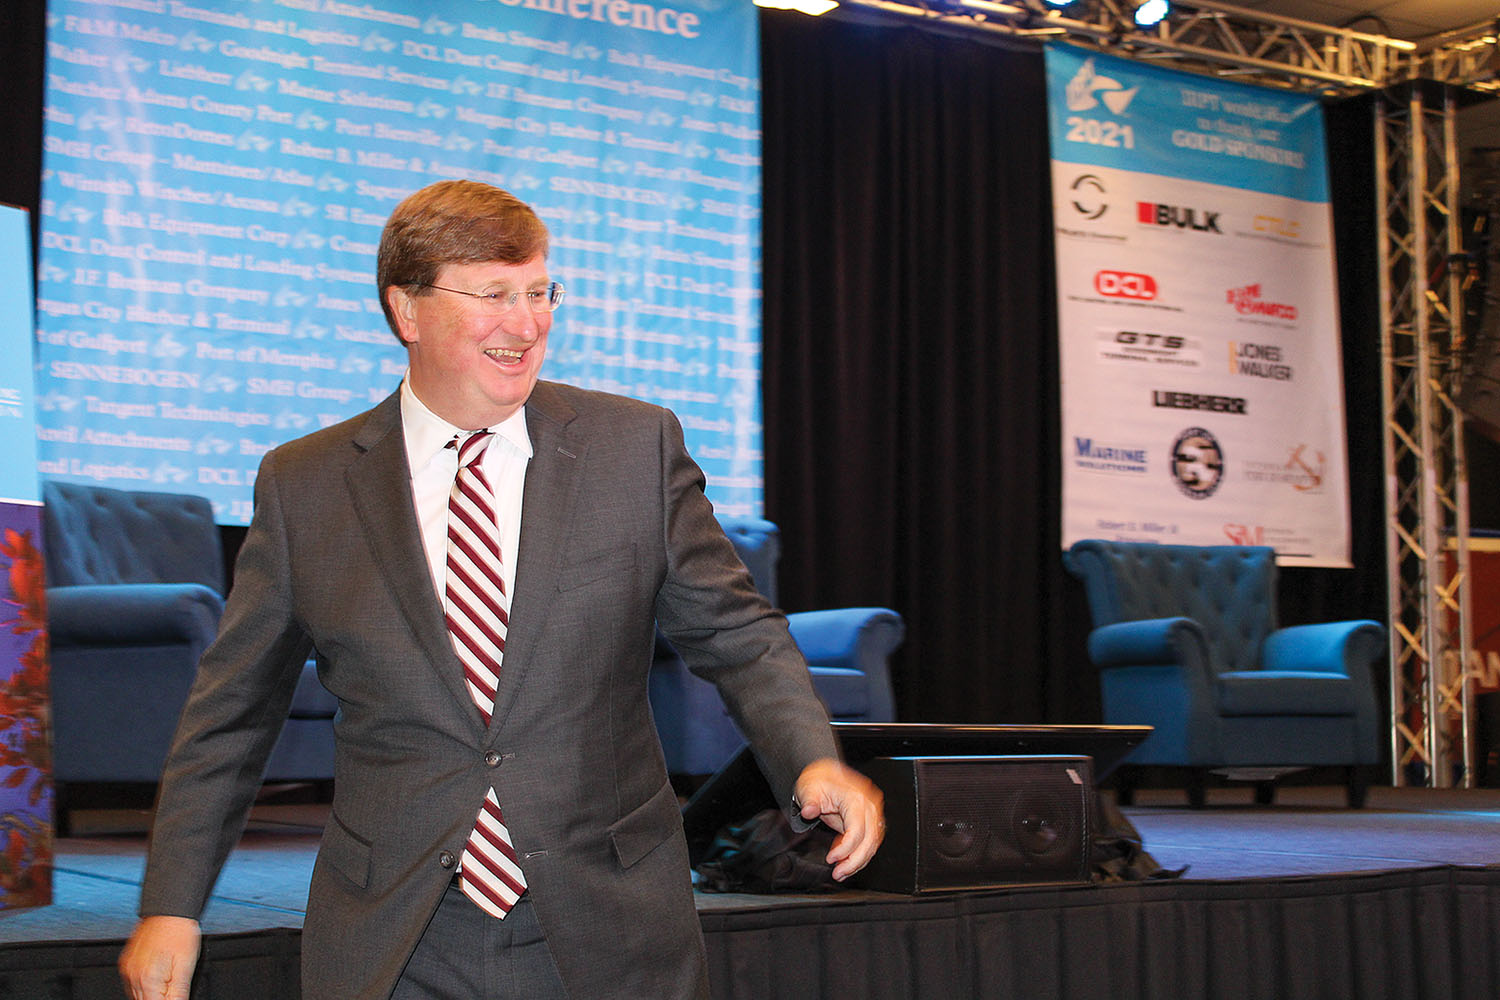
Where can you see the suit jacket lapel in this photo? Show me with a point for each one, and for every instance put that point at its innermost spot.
(552, 476)
(380, 481)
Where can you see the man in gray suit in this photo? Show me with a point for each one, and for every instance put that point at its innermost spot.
(603, 530)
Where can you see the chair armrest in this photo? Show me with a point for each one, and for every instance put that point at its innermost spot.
(1150, 642)
(846, 637)
(1349, 648)
(858, 638)
(1333, 648)
(132, 613)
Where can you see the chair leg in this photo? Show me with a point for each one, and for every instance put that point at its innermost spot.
(1356, 786)
(1265, 793)
(1197, 782)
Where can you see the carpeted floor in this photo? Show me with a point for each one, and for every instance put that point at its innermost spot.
(1308, 832)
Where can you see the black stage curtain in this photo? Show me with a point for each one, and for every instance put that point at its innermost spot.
(910, 382)
(1396, 935)
(910, 373)
(22, 30)
(1425, 932)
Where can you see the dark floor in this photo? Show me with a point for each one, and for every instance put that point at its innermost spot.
(1306, 832)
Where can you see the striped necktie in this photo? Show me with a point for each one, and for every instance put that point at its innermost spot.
(476, 602)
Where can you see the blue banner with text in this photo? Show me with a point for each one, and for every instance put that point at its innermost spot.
(216, 177)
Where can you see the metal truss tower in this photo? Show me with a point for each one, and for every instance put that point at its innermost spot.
(1422, 340)
(1427, 558)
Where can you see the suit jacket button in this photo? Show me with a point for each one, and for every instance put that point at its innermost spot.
(492, 759)
(447, 859)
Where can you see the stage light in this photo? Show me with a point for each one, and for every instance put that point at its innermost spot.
(1151, 13)
(812, 7)
(1060, 8)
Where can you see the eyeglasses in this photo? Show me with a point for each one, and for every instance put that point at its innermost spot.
(540, 300)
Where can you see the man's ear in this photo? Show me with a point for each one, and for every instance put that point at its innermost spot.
(404, 309)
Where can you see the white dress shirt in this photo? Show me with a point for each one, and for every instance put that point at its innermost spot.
(433, 466)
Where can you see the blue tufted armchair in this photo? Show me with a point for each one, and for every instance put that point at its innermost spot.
(134, 596)
(847, 651)
(1185, 640)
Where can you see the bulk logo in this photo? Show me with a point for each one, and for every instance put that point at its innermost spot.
(1125, 285)
(1197, 463)
(1149, 213)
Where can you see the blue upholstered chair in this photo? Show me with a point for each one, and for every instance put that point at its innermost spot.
(135, 583)
(847, 650)
(1185, 640)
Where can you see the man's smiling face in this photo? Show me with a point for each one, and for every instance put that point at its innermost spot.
(468, 365)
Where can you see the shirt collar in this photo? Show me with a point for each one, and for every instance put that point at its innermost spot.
(427, 434)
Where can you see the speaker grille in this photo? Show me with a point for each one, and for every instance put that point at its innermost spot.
(987, 822)
(957, 823)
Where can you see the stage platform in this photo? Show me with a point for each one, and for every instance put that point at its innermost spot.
(1303, 898)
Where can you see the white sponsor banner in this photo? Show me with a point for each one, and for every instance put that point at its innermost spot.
(1202, 398)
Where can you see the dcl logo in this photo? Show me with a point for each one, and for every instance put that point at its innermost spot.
(1125, 285)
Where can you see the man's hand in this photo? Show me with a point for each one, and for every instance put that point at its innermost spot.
(849, 803)
(159, 958)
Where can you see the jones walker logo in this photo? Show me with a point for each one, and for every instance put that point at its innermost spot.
(1258, 361)
(1089, 454)
(1305, 470)
(1197, 463)
(1149, 348)
(1149, 213)
(1125, 285)
(1247, 301)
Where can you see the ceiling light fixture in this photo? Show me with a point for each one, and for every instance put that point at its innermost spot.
(811, 7)
(1151, 13)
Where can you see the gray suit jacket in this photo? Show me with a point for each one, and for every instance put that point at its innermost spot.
(616, 533)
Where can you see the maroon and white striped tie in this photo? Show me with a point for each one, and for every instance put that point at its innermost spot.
(477, 620)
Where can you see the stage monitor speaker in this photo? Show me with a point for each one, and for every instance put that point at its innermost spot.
(980, 822)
